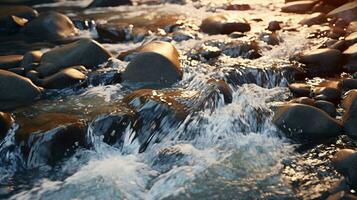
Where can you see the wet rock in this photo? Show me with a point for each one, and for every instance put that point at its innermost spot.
(224, 24)
(271, 39)
(19, 11)
(244, 49)
(12, 18)
(326, 106)
(343, 195)
(344, 161)
(223, 88)
(34, 76)
(31, 57)
(352, 27)
(18, 70)
(330, 94)
(86, 52)
(50, 26)
(322, 7)
(349, 117)
(113, 127)
(238, 7)
(315, 18)
(16, 90)
(300, 89)
(350, 59)
(291, 119)
(340, 45)
(158, 112)
(109, 3)
(111, 34)
(62, 79)
(298, 7)
(5, 124)
(304, 100)
(47, 138)
(103, 77)
(321, 61)
(351, 38)
(347, 12)
(11, 61)
(349, 84)
(157, 63)
(274, 26)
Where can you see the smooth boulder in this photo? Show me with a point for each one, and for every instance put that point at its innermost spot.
(298, 7)
(315, 18)
(109, 3)
(345, 162)
(224, 24)
(5, 124)
(349, 117)
(348, 12)
(300, 89)
(10, 61)
(321, 61)
(86, 52)
(292, 120)
(16, 90)
(156, 63)
(31, 57)
(50, 26)
(62, 79)
(350, 59)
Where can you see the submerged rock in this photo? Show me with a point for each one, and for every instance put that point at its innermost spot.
(291, 119)
(50, 26)
(47, 138)
(156, 63)
(109, 3)
(10, 61)
(321, 61)
(62, 79)
(344, 161)
(224, 24)
(223, 88)
(5, 124)
(16, 90)
(86, 52)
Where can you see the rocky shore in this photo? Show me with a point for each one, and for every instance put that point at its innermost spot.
(50, 58)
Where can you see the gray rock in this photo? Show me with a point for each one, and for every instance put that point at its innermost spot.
(326, 106)
(10, 61)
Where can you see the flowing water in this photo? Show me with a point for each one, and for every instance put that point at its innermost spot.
(230, 152)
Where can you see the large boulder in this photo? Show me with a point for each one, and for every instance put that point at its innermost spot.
(31, 57)
(50, 26)
(12, 18)
(292, 120)
(5, 124)
(349, 103)
(86, 52)
(348, 12)
(224, 24)
(109, 3)
(10, 61)
(300, 89)
(298, 7)
(350, 59)
(321, 61)
(156, 63)
(63, 79)
(345, 162)
(16, 90)
(315, 18)
(46, 138)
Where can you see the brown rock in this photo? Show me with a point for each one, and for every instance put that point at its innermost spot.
(315, 18)
(224, 24)
(347, 12)
(5, 124)
(11, 61)
(274, 26)
(350, 59)
(344, 161)
(298, 7)
(300, 89)
(65, 78)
